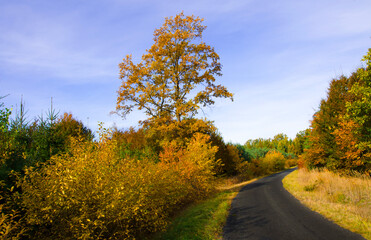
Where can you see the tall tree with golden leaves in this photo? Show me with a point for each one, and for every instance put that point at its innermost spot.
(176, 76)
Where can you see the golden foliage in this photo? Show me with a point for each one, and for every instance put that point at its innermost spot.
(339, 138)
(273, 161)
(10, 225)
(168, 82)
(91, 193)
(232, 160)
(161, 132)
(195, 164)
(347, 141)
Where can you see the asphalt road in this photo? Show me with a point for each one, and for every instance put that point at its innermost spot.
(264, 210)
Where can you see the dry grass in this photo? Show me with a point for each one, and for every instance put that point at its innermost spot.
(233, 184)
(343, 199)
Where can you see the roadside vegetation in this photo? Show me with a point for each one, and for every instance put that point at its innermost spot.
(71, 193)
(206, 219)
(335, 167)
(345, 200)
(339, 137)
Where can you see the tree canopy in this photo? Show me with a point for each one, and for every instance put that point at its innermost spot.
(340, 134)
(176, 76)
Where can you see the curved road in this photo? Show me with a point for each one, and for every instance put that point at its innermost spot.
(264, 210)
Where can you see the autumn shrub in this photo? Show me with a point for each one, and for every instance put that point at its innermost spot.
(155, 136)
(4, 133)
(272, 162)
(230, 155)
(246, 170)
(231, 159)
(135, 144)
(158, 134)
(301, 162)
(92, 193)
(234, 154)
(11, 221)
(10, 225)
(196, 164)
(291, 162)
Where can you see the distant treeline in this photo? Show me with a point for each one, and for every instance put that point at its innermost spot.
(257, 148)
(265, 156)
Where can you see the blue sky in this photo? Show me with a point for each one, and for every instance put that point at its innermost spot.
(278, 57)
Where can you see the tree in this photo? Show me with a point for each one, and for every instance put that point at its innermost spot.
(359, 110)
(4, 117)
(323, 150)
(353, 136)
(4, 132)
(300, 142)
(339, 138)
(176, 76)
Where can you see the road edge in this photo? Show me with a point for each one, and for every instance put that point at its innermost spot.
(332, 214)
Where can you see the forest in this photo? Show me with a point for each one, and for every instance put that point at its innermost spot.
(61, 181)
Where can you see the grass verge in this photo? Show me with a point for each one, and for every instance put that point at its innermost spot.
(344, 200)
(204, 220)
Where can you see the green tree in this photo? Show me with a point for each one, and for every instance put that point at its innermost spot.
(300, 142)
(4, 133)
(359, 110)
(4, 117)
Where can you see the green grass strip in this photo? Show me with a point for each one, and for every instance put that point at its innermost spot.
(204, 220)
(201, 221)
